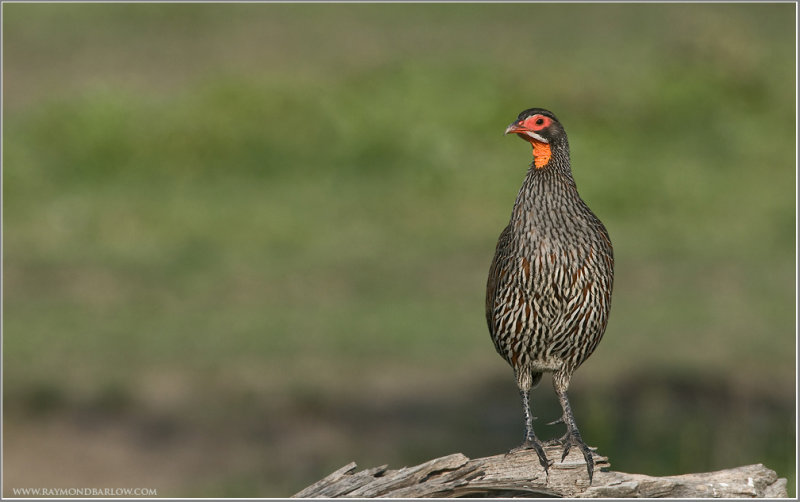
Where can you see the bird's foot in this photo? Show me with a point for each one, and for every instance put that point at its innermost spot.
(573, 438)
(533, 443)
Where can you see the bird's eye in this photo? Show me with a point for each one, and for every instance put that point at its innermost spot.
(540, 121)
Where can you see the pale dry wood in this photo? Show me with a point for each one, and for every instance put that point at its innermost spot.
(520, 475)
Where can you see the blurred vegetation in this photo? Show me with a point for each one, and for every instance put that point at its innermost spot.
(247, 243)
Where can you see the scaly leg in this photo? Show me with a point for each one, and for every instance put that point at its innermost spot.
(531, 442)
(573, 436)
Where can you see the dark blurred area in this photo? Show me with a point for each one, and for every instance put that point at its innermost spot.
(247, 244)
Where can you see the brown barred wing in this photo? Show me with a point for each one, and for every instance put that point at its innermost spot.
(586, 288)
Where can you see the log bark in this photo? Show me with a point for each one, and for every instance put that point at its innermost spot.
(520, 475)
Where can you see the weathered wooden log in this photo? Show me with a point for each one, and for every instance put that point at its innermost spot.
(519, 474)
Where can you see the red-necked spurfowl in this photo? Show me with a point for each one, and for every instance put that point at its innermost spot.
(549, 289)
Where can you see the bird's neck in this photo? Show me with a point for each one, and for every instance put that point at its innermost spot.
(547, 181)
(551, 161)
(553, 156)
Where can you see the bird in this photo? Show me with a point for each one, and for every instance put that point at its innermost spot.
(548, 294)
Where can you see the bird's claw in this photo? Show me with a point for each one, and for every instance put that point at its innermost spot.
(536, 445)
(571, 439)
(574, 439)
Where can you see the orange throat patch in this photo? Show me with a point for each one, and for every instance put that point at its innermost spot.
(541, 153)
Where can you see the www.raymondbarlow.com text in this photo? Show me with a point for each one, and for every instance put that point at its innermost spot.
(85, 492)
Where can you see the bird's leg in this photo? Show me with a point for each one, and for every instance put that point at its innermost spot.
(573, 436)
(531, 442)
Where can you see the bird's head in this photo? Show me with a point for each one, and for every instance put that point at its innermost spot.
(541, 129)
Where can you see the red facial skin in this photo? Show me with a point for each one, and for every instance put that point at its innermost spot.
(534, 124)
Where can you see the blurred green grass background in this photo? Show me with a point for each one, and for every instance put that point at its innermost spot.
(247, 244)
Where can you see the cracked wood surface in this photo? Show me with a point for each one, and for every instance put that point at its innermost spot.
(520, 475)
